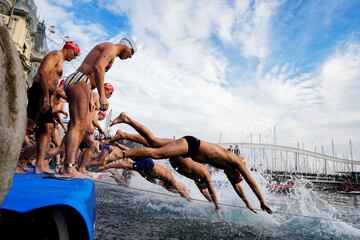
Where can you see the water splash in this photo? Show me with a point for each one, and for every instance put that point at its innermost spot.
(302, 202)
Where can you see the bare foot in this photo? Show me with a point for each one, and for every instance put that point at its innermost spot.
(115, 154)
(119, 119)
(119, 135)
(23, 165)
(43, 168)
(19, 170)
(87, 173)
(72, 172)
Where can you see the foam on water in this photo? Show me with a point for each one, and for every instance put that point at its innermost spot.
(302, 201)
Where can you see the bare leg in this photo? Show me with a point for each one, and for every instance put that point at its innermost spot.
(29, 152)
(133, 137)
(175, 148)
(88, 153)
(213, 194)
(79, 100)
(56, 138)
(169, 181)
(152, 140)
(206, 188)
(205, 193)
(242, 195)
(42, 147)
(55, 151)
(123, 163)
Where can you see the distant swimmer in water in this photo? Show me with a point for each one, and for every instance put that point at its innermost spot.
(78, 88)
(184, 166)
(151, 171)
(199, 151)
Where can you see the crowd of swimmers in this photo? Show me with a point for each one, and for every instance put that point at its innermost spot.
(80, 151)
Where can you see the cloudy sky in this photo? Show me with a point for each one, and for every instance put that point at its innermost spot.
(232, 67)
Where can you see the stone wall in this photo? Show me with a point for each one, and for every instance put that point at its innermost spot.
(12, 110)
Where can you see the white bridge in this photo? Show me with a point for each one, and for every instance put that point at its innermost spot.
(301, 161)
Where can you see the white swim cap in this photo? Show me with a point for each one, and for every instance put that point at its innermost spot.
(129, 42)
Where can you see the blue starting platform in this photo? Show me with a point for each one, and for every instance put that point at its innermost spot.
(42, 207)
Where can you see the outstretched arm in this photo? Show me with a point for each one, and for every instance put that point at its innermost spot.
(241, 193)
(58, 119)
(60, 92)
(107, 57)
(97, 125)
(252, 184)
(213, 195)
(47, 65)
(123, 163)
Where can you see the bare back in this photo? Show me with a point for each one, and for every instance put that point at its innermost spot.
(103, 50)
(216, 156)
(188, 167)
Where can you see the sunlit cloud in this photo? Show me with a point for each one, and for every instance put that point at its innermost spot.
(177, 83)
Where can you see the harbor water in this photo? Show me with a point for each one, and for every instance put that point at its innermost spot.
(127, 213)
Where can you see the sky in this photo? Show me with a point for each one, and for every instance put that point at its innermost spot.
(228, 70)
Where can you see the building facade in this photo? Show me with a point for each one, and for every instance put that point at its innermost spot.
(28, 34)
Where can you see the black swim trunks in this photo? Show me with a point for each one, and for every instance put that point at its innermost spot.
(142, 164)
(193, 145)
(83, 145)
(35, 98)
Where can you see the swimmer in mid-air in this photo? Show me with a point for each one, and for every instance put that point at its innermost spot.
(151, 171)
(199, 151)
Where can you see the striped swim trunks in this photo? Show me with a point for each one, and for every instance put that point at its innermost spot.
(77, 77)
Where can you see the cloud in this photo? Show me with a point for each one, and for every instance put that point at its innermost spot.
(252, 27)
(85, 33)
(320, 106)
(183, 70)
(177, 84)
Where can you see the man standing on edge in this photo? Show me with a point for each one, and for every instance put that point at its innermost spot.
(39, 110)
(78, 87)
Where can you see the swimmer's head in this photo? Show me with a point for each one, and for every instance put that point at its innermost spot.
(130, 43)
(72, 45)
(109, 89)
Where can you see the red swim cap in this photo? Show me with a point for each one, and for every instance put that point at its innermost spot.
(101, 113)
(72, 46)
(109, 87)
(62, 81)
